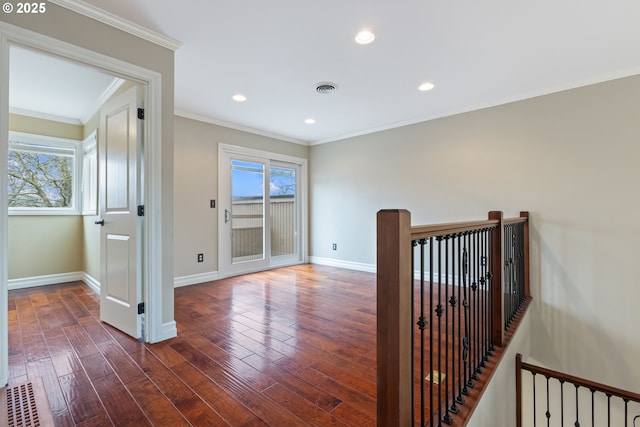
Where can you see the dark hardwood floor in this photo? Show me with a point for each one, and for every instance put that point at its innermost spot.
(287, 347)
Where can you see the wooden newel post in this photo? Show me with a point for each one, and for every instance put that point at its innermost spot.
(527, 289)
(497, 281)
(394, 323)
(518, 390)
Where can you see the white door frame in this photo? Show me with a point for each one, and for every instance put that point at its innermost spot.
(152, 244)
(225, 151)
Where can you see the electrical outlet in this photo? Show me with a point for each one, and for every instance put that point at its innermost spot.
(200, 257)
(212, 204)
(334, 246)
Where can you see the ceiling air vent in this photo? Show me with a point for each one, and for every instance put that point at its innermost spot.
(326, 87)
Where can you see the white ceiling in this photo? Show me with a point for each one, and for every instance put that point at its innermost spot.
(48, 87)
(477, 53)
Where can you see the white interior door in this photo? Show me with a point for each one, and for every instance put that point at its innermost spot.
(119, 154)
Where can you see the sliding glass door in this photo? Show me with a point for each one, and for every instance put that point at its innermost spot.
(260, 211)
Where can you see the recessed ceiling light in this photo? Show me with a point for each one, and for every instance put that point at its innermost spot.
(365, 37)
(426, 86)
(239, 97)
(310, 121)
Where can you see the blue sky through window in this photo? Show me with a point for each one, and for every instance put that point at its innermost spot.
(247, 180)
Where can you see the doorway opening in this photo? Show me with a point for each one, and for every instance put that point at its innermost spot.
(152, 271)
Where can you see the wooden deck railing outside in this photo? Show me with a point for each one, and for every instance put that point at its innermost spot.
(396, 323)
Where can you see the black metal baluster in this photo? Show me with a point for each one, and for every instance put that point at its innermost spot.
(439, 315)
(626, 412)
(453, 408)
(521, 278)
(577, 423)
(461, 358)
(476, 326)
(470, 334)
(414, 244)
(422, 324)
(561, 403)
(593, 408)
(447, 417)
(548, 413)
(491, 290)
(608, 410)
(465, 304)
(533, 374)
(507, 276)
(485, 302)
(431, 327)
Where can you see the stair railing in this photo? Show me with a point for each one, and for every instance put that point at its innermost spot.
(571, 400)
(446, 295)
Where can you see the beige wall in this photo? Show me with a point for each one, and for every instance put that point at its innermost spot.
(196, 183)
(20, 123)
(67, 26)
(570, 158)
(44, 245)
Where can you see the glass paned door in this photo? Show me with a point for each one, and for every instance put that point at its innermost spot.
(247, 211)
(283, 207)
(261, 216)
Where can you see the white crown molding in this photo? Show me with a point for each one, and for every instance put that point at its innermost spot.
(236, 126)
(115, 21)
(108, 93)
(45, 116)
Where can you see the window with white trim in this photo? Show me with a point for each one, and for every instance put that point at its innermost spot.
(43, 174)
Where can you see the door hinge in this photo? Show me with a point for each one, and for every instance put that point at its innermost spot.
(141, 113)
(140, 210)
(141, 308)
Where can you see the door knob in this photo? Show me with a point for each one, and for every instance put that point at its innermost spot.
(101, 222)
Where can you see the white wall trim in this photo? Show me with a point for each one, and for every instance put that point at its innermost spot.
(194, 279)
(44, 116)
(54, 279)
(168, 330)
(4, 221)
(210, 120)
(359, 266)
(91, 282)
(118, 22)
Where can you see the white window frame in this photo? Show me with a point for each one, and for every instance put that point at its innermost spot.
(89, 181)
(15, 138)
(225, 153)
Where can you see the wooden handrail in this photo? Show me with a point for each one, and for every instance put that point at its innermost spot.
(436, 230)
(591, 385)
(515, 220)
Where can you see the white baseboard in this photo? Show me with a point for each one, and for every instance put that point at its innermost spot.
(91, 282)
(49, 279)
(369, 268)
(194, 279)
(169, 330)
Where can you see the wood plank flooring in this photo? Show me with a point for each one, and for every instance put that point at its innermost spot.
(287, 347)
